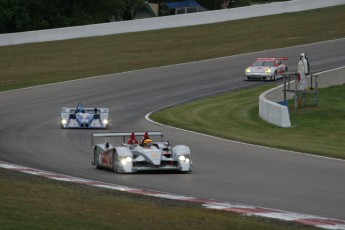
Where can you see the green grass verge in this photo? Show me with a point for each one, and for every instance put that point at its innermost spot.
(317, 130)
(31, 202)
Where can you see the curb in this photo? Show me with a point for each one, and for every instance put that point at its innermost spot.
(246, 210)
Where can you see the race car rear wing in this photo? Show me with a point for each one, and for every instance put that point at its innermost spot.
(107, 137)
(88, 110)
(272, 59)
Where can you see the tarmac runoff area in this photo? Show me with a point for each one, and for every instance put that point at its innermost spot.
(241, 209)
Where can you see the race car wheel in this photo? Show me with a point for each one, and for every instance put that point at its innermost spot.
(115, 162)
(95, 160)
(274, 76)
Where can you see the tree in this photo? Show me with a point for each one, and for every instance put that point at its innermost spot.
(25, 15)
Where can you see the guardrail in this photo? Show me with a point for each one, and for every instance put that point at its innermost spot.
(164, 22)
(277, 114)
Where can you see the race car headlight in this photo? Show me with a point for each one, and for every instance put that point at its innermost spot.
(126, 160)
(184, 159)
(248, 70)
(268, 71)
(64, 121)
(105, 121)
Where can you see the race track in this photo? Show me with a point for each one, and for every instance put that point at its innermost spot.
(223, 170)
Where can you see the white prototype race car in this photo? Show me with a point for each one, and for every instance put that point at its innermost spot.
(87, 118)
(131, 155)
(268, 69)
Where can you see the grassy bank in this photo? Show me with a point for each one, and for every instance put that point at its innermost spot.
(317, 130)
(31, 202)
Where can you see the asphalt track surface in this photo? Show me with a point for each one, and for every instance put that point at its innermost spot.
(223, 170)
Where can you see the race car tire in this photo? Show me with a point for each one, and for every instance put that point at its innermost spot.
(274, 76)
(95, 160)
(115, 162)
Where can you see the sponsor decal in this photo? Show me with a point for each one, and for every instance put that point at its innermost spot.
(154, 155)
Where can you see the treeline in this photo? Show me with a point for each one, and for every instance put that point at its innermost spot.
(218, 4)
(26, 15)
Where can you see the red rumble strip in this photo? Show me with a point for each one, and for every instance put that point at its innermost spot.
(247, 210)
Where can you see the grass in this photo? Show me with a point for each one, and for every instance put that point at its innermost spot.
(317, 130)
(29, 202)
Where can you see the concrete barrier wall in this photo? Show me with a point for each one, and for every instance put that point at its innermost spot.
(273, 112)
(164, 22)
(277, 114)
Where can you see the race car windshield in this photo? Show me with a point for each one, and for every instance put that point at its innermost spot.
(264, 63)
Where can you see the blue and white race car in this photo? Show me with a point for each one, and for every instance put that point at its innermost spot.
(130, 155)
(81, 117)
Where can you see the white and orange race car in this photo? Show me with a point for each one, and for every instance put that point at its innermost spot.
(268, 69)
